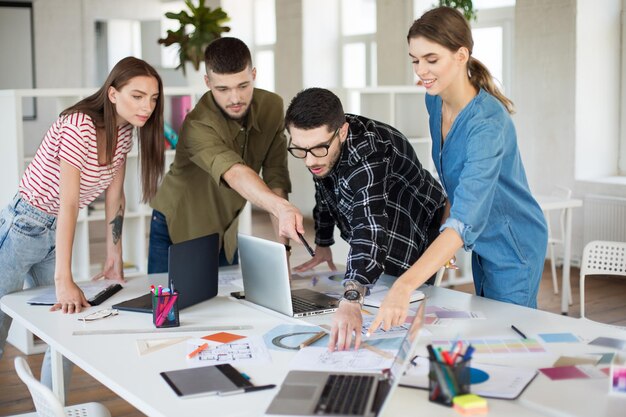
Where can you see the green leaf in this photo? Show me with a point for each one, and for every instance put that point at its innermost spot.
(207, 25)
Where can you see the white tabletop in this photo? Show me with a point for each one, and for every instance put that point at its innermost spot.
(115, 362)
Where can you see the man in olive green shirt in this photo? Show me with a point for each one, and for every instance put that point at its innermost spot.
(234, 132)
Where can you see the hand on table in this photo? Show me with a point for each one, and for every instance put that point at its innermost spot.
(347, 321)
(394, 308)
(70, 298)
(322, 254)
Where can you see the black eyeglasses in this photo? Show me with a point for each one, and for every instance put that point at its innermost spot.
(318, 151)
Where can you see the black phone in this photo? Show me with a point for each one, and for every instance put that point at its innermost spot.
(238, 295)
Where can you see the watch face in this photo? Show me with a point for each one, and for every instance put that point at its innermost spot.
(352, 295)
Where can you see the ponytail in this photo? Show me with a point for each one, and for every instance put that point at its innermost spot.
(480, 77)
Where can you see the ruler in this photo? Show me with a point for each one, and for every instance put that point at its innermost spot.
(162, 330)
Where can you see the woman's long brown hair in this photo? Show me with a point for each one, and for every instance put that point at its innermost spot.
(151, 137)
(447, 27)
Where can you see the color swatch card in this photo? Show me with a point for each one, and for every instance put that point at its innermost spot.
(586, 359)
(573, 372)
(559, 337)
(493, 346)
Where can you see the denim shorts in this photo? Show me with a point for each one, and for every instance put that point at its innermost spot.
(27, 252)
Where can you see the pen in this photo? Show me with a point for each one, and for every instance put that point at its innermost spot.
(306, 245)
(317, 336)
(200, 349)
(248, 389)
(518, 331)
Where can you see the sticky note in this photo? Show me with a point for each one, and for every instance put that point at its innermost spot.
(559, 337)
(223, 337)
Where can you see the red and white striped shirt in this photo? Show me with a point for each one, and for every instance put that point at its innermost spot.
(72, 138)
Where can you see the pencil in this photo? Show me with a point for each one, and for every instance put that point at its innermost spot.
(380, 352)
(518, 331)
(200, 349)
(317, 336)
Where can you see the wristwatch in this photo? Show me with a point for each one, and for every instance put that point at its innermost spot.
(355, 292)
(353, 296)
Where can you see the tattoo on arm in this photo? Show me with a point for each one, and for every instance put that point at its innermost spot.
(117, 223)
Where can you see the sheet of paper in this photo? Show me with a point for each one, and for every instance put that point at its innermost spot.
(249, 350)
(378, 293)
(380, 333)
(289, 336)
(573, 372)
(559, 337)
(493, 381)
(320, 359)
(90, 289)
(442, 316)
(230, 278)
(497, 346)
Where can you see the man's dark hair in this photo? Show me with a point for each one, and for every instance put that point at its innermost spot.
(227, 56)
(315, 107)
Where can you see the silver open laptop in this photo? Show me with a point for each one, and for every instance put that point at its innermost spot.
(311, 393)
(265, 274)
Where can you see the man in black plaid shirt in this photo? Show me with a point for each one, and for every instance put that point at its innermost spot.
(371, 185)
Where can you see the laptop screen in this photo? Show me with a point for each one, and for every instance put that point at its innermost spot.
(408, 344)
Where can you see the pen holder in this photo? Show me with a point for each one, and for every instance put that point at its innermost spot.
(447, 381)
(165, 310)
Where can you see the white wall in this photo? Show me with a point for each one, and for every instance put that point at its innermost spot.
(597, 87)
(555, 80)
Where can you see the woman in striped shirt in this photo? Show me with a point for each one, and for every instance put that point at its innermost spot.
(81, 155)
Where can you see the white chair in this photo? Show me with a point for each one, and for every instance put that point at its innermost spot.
(564, 193)
(601, 258)
(46, 404)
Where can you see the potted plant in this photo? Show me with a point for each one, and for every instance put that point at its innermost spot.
(197, 29)
(464, 6)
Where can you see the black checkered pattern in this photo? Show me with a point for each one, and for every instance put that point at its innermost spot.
(382, 200)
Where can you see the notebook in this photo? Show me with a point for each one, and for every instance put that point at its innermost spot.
(205, 380)
(311, 393)
(193, 270)
(95, 292)
(266, 280)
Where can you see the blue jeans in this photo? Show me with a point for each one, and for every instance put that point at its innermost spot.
(27, 256)
(160, 243)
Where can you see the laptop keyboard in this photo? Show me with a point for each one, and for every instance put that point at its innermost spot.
(345, 394)
(300, 305)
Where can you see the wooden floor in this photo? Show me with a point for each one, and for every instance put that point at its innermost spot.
(607, 304)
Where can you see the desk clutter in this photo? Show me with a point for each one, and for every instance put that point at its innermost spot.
(474, 353)
(164, 307)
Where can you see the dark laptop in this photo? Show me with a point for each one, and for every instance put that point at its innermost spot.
(193, 271)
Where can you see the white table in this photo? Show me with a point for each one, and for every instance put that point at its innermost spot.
(548, 203)
(114, 361)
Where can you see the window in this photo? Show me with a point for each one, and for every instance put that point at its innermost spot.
(358, 43)
(493, 43)
(254, 22)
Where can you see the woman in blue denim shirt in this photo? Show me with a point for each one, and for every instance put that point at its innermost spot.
(81, 155)
(490, 208)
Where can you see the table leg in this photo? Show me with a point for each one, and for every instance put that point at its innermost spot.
(58, 383)
(566, 289)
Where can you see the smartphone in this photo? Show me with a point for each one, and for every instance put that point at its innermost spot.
(238, 295)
